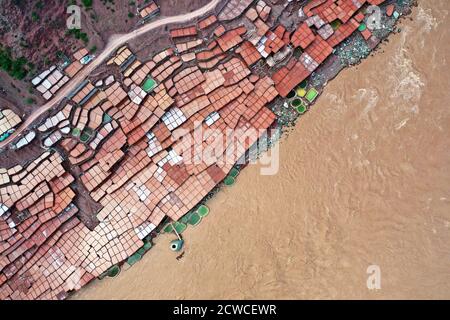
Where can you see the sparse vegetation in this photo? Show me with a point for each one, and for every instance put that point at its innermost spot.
(29, 101)
(78, 34)
(94, 17)
(34, 16)
(107, 3)
(23, 44)
(19, 3)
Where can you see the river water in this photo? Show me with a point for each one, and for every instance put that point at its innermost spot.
(364, 180)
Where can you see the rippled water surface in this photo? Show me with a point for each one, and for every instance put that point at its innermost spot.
(364, 179)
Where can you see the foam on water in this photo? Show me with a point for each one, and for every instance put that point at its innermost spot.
(405, 78)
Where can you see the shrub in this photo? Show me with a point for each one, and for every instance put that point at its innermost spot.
(14, 67)
(78, 34)
(29, 101)
(87, 3)
(34, 16)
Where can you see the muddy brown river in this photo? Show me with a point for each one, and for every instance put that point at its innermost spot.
(364, 180)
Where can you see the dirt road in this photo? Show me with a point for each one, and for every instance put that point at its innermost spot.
(114, 42)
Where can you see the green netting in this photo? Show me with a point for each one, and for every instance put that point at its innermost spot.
(203, 210)
(229, 181)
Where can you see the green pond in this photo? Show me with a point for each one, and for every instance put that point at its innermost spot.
(234, 173)
(194, 219)
(303, 84)
(229, 181)
(296, 103)
(179, 227)
(113, 271)
(149, 85)
(301, 109)
(312, 95)
(291, 94)
(203, 210)
(76, 132)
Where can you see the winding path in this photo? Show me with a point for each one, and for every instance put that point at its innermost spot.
(114, 42)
